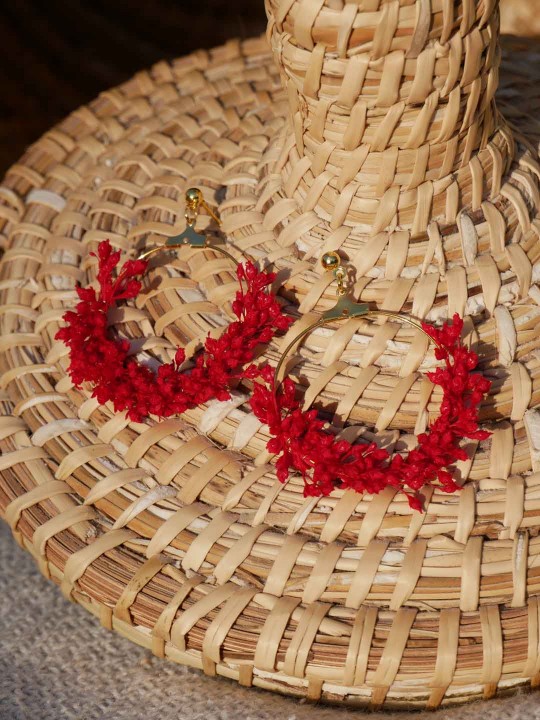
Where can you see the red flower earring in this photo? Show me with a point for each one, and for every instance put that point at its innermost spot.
(105, 362)
(303, 445)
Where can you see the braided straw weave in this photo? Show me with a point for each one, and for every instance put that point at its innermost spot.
(375, 134)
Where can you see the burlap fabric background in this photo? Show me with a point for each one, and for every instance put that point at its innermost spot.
(67, 667)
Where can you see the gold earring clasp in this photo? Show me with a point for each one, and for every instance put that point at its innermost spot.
(190, 237)
(345, 307)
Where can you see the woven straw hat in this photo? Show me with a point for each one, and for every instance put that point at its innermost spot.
(374, 133)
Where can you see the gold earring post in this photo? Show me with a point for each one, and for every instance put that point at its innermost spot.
(194, 201)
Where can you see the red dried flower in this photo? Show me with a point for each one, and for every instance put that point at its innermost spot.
(325, 463)
(106, 364)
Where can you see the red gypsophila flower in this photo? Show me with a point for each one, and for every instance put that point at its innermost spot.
(302, 444)
(105, 361)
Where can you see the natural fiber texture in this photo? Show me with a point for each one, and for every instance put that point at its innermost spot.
(385, 145)
(520, 17)
(79, 671)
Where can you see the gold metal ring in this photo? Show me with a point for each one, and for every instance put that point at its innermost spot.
(172, 245)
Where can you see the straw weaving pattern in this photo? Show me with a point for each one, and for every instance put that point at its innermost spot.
(370, 128)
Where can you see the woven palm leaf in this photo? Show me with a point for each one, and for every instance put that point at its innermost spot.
(370, 128)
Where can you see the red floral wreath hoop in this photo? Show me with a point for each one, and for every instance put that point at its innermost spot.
(105, 362)
(302, 444)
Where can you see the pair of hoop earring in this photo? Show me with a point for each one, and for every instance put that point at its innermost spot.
(302, 442)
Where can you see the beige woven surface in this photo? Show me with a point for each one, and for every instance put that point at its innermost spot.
(80, 671)
(177, 533)
(520, 17)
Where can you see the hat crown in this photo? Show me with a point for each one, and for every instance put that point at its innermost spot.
(391, 107)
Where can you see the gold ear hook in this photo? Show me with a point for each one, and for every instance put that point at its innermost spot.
(190, 237)
(345, 306)
(345, 309)
(194, 201)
